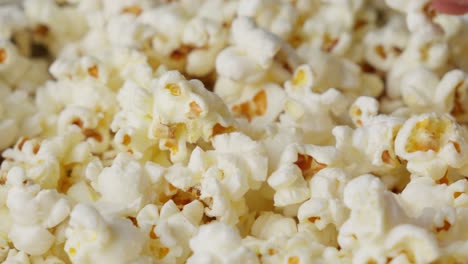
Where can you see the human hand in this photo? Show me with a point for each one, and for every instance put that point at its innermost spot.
(451, 7)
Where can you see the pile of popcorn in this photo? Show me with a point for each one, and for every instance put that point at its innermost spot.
(233, 131)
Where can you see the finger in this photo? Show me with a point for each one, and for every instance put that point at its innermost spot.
(452, 7)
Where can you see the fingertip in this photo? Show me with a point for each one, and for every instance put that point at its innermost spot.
(451, 7)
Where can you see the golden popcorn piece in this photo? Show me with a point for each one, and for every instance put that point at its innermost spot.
(427, 135)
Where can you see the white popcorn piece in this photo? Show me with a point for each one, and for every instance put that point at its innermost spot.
(252, 53)
(423, 49)
(371, 149)
(12, 19)
(202, 116)
(431, 143)
(124, 187)
(334, 72)
(33, 239)
(446, 95)
(363, 110)
(17, 116)
(169, 126)
(299, 163)
(386, 44)
(300, 247)
(269, 225)
(277, 17)
(325, 205)
(260, 107)
(55, 26)
(52, 163)
(208, 37)
(275, 140)
(312, 111)
(219, 243)
(93, 238)
(17, 257)
(33, 211)
(170, 234)
(224, 175)
(330, 28)
(19, 71)
(384, 229)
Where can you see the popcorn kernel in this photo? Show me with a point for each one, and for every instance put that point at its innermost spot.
(195, 110)
(218, 129)
(93, 71)
(173, 88)
(134, 9)
(163, 251)
(3, 55)
(445, 227)
(426, 135)
(126, 139)
(294, 260)
(308, 165)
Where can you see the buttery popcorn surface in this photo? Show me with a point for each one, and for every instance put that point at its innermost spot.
(233, 131)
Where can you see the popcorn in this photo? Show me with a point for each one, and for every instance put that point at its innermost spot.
(363, 110)
(124, 187)
(370, 148)
(277, 16)
(252, 54)
(444, 96)
(92, 238)
(385, 45)
(15, 257)
(225, 246)
(174, 229)
(33, 211)
(423, 49)
(16, 116)
(224, 175)
(52, 162)
(297, 248)
(298, 165)
(269, 225)
(321, 210)
(382, 213)
(53, 24)
(431, 144)
(261, 108)
(318, 132)
(301, 113)
(202, 116)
